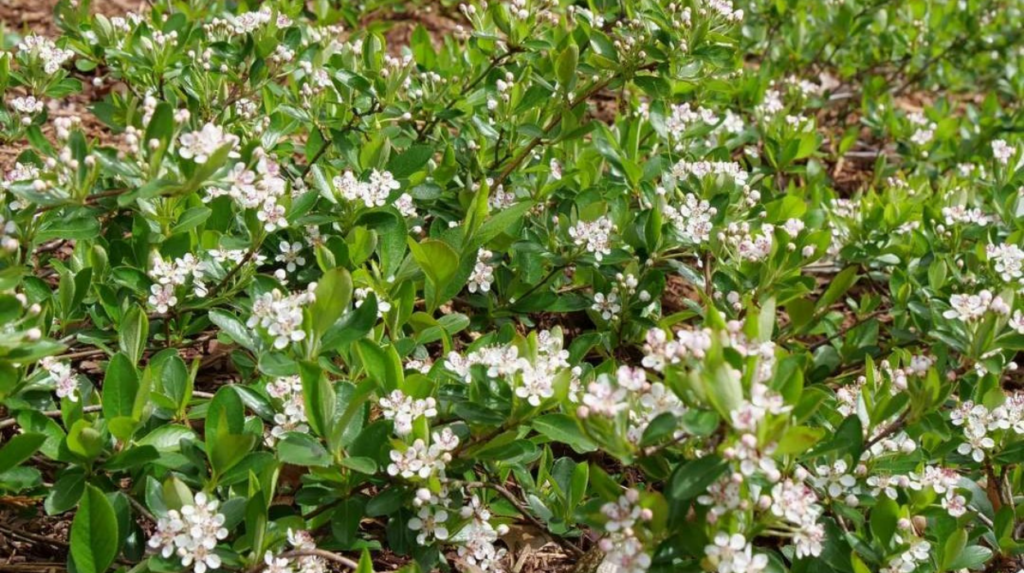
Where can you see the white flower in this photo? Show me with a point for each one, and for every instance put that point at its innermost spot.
(594, 236)
(192, 534)
(1001, 151)
(430, 524)
(732, 554)
(27, 105)
(48, 53)
(162, 297)
(483, 275)
(968, 307)
(200, 145)
(290, 255)
(607, 305)
(1008, 261)
(373, 193)
(404, 410)
(692, 219)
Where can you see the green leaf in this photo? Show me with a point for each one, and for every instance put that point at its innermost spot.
(227, 450)
(365, 562)
(438, 261)
(66, 491)
(884, 517)
(20, 448)
(94, 533)
(190, 219)
(566, 67)
(302, 450)
(692, 478)
(120, 386)
(838, 287)
(362, 465)
(333, 294)
(562, 428)
(134, 333)
(234, 328)
(972, 557)
(318, 396)
(410, 161)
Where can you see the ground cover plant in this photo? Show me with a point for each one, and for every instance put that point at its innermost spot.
(291, 287)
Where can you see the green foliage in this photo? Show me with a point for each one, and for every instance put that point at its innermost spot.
(673, 286)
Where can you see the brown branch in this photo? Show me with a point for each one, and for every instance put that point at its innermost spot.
(50, 414)
(525, 512)
(341, 559)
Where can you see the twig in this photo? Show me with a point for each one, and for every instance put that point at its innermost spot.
(553, 123)
(234, 271)
(141, 509)
(50, 414)
(511, 497)
(34, 537)
(842, 331)
(427, 127)
(313, 553)
(89, 200)
(888, 431)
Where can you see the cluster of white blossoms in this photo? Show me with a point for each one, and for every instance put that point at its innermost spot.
(27, 107)
(171, 274)
(373, 193)
(682, 116)
(1002, 151)
(594, 236)
(925, 130)
(533, 378)
(477, 538)
(281, 315)
(660, 352)
(48, 53)
(964, 215)
(691, 218)
(258, 188)
(63, 377)
(192, 534)
(750, 245)
(916, 553)
(725, 9)
(301, 541)
(482, 277)
(623, 550)
(702, 169)
(978, 422)
(8, 231)
(631, 393)
(797, 506)
(972, 307)
(403, 410)
(293, 417)
(423, 461)
(734, 554)
(1008, 261)
(200, 145)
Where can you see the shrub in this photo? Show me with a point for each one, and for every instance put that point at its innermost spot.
(668, 286)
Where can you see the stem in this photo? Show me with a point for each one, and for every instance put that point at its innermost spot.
(525, 512)
(8, 422)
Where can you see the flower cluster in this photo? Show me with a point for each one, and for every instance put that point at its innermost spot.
(373, 193)
(281, 315)
(293, 416)
(404, 410)
(191, 534)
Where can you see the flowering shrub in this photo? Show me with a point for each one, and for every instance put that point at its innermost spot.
(666, 286)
